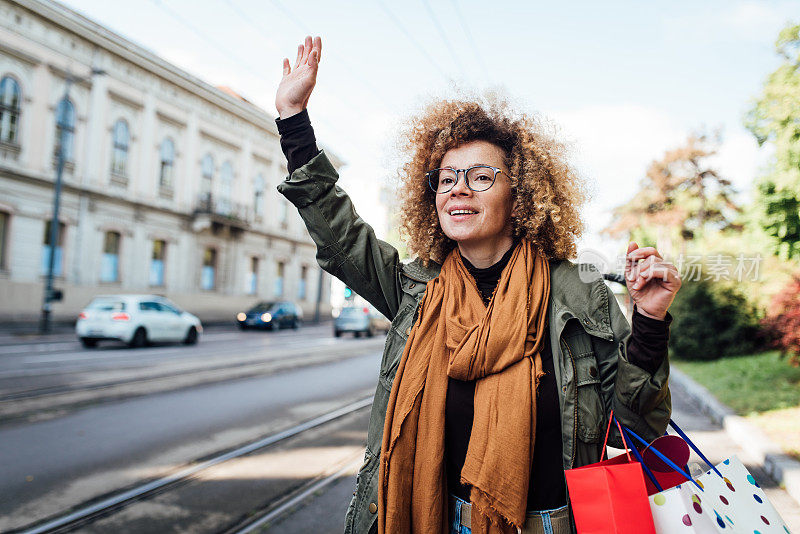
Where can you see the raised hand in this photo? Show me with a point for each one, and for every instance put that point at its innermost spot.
(298, 82)
(652, 283)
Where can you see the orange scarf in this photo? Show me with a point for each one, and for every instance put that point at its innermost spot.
(498, 346)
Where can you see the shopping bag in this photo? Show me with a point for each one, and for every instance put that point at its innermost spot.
(738, 500)
(679, 510)
(609, 497)
(725, 499)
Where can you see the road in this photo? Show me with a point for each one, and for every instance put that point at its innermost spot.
(80, 451)
(83, 424)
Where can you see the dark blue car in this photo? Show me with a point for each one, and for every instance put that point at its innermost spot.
(271, 316)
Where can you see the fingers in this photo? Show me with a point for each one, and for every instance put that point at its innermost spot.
(318, 47)
(286, 68)
(641, 253)
(307, 46)
(660, 271)
(299, 56)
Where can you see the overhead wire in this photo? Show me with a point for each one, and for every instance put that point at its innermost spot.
(411, 38)
(224, 51)
(444, 37)
(468, 34)
(376, 92)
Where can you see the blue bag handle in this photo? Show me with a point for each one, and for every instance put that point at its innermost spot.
(663, 458)
(629, 443)
(693, 446)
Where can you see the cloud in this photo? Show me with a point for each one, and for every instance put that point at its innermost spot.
(755, 20)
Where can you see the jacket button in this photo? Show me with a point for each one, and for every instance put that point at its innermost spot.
(586, 322)
(593, 372)
(564, 389)
(373, 507)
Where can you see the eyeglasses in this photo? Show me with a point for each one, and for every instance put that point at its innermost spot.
(478, 178)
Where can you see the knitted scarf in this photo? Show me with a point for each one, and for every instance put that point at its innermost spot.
(498, 346)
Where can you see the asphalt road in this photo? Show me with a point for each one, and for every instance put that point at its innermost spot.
(87, 451)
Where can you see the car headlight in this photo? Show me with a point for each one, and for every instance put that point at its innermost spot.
(266, 317)
(241, 316)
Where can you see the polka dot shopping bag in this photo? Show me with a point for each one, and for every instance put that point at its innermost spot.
(726, 499)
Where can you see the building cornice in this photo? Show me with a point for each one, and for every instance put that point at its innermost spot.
(19, 54)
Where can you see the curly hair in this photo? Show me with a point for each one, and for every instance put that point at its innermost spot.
(547, 193)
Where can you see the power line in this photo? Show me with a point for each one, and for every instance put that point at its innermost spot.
(468, 34)
(443, 35)
(199, 33)
(377, 93)
(411, 38)
(228, 54)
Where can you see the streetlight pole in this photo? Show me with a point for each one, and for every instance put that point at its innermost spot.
(49, 294)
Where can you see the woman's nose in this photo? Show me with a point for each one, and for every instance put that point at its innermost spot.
(461, 185)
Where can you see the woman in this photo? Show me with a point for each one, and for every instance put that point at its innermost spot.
(504, 359)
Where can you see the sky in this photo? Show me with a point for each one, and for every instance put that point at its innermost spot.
(622, 81)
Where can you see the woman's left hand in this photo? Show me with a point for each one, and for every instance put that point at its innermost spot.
(652, 282)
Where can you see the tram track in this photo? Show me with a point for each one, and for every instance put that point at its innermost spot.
(84, 517)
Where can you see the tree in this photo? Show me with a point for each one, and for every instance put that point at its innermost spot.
(679, 197)
(775, 119)
(782, 325)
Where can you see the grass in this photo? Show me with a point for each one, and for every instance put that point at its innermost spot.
(762, 387)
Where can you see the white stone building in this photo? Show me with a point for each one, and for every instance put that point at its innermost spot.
(170, 185)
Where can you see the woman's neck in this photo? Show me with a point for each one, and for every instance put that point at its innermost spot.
(485, 255)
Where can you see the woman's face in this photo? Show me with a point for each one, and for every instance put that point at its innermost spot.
(488, 225)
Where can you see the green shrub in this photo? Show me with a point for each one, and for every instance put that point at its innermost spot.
(712, 321)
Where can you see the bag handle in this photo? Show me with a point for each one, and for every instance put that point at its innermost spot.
(644, 466)
(663, 458)
(608, 430)
(693, 446)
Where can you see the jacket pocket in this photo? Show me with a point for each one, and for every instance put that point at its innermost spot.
(590, 405)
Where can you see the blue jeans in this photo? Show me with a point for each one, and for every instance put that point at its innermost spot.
(532, 521)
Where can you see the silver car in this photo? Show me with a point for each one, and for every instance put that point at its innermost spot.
(360, 320)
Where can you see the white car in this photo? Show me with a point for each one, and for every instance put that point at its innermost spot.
(136, 320)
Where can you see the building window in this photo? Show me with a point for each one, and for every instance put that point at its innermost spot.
(3, 238)
(157, 263)
(225, 188)
(252, 277)
(208, 276)
(301, 288)
(167, 153)
(109, 263)
(283, 213)
(258, 196)
(65, 129)
(119, 156)
(9, 110)
(281, 267)
(58, 263)
(207, 181)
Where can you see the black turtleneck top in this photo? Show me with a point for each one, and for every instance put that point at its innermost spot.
(647, 348)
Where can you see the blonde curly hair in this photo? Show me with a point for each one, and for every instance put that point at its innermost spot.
(547, 193)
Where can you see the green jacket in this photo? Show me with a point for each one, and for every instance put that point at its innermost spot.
(588, 332)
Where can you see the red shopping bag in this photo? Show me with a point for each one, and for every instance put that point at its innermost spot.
(609, 497)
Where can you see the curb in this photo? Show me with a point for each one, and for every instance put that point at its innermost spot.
(784, 469)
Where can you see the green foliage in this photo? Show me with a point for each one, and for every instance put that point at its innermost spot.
(775, 119)
(749, 383)
(712, 321)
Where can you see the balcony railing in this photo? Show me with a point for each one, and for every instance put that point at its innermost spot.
(221, 211)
